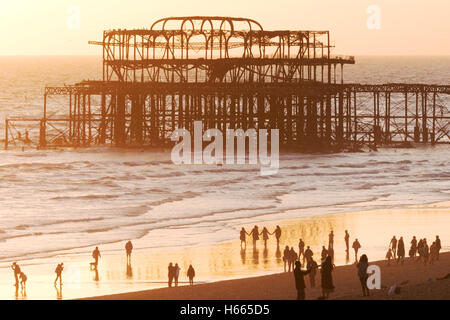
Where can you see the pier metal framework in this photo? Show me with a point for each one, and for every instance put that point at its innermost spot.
(230, 73)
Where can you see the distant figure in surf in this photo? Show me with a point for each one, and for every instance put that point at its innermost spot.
(191, 274)
(301, 250)
(277, 233)
(176, 273)
(128, 249)
(308, 254)
(170, 274)
(243, 237)
(96, 255)
(17, 272)
(393, 245)
(23, 280)
(331, 239)
(347, 241)
(401, 251)
(265, 234)
(58, 271)
(255, 234)
(356, 246)
(438, 247)
(324, 253)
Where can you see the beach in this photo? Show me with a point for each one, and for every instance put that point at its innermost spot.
(226, 263)
(416, 281)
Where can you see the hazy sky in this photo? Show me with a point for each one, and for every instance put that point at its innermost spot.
(408, 27)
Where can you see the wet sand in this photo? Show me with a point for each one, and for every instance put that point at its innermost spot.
(225, 261)
(416, 281)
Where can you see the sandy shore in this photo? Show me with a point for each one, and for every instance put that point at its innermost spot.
(217, 264)
(416, 281)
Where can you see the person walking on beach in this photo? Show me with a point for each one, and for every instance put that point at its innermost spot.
(96, 255)
(255, 234)
(58, 271)
(265, 234)
(308, 254)
(327, 278)
(243, 237)
(286, 254)
(128, 249)
(191, 274)
(331, 239)
(301, 250)
(324, 253)
(170, 274)
(176, 273)
(356, 246)
(277, 233)
(23, 280)
(347, 241)
(292, 258)
(414, 246)
(312, 265)
(362, 266)
(438, 247)
(393, 245)
(300, 280)
(400, 251)
(17, 271)
(425, 251)
(389, 256)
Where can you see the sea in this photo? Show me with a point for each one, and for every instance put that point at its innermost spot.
(69, 200)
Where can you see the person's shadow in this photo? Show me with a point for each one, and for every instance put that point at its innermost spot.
(255, 256)
(96, 276)
(278, 254)
(347, 257)
(129, 270)
(265, 255)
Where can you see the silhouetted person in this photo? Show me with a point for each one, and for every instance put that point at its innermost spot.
(308, 254)
(327, 278)
(191, 274)
(347, 241)
(425, 251)
(362, 266)
(389, 256)
(393, 244)
(414, 246)
(277, 233)
(420, 249)
(242, 237)
(96, 255)
(299, 280)
(17, 272)
(433, 252)
(401, 251)
(176, 273)
(286, 258)
(292, 258)
(331, 239)
(265, 234)
(356, 246)
(23, 280)
(58, 271)
(331, 254)
(312, 265)
(438, 247)
(255, 235)
(170, 274)
(301, 250)
(324, 254)
(128, 249)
